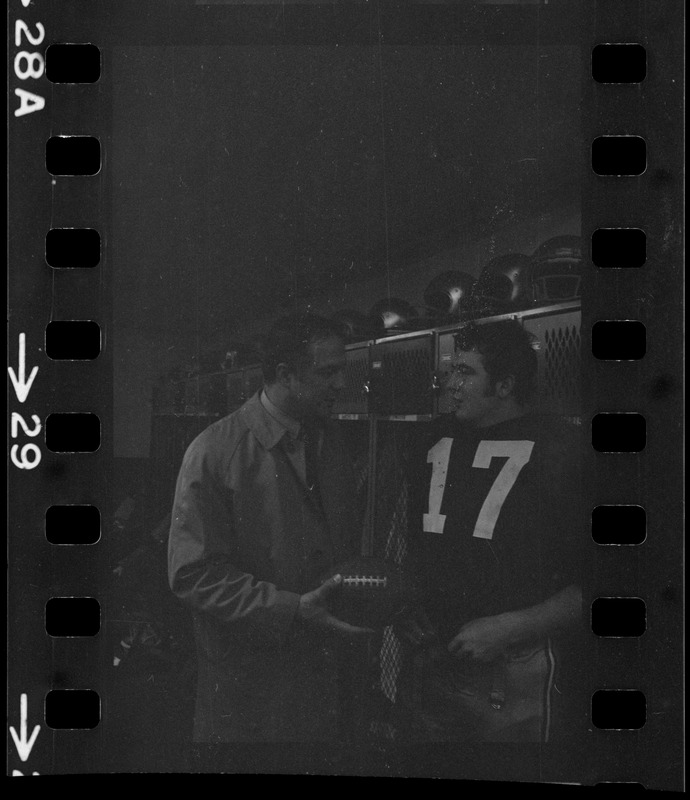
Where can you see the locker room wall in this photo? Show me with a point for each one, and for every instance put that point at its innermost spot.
(149, 357)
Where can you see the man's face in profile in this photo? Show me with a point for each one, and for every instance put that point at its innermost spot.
(314, 387)
(472, 392)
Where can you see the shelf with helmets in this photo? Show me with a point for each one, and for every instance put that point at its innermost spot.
(398, 354)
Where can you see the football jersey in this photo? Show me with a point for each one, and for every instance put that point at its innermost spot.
(496, 520)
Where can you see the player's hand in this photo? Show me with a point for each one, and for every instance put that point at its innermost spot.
(486, 638)
(414, 628)
(313, 610)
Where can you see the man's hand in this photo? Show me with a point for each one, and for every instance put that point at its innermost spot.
(486, 638)
(313, 610)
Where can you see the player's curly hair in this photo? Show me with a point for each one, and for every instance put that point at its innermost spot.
(288, 341)
(506, 349)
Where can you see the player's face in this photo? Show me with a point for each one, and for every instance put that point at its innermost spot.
(315, 387)
(472, 394)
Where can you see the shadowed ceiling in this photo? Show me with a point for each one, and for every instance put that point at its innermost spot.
(247, 177)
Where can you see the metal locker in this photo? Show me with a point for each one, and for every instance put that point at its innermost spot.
(559, 359)
(353, 398)
(402, 375)
(445, 347)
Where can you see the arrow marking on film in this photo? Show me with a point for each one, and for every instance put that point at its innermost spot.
(22, 387)
(22, 744)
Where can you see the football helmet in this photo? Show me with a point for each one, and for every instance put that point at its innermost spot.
(392, 315)
(503, 285)
(356, 325)
(448, 293)
(556, 272)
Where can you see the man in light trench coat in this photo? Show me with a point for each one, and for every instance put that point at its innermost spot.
(264, 507)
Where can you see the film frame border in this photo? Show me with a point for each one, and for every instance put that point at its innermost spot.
(650, 387)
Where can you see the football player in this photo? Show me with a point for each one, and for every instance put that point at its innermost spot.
(495, 540)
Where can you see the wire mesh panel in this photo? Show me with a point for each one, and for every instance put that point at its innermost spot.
(353, 398)
(355, 434)
(394, 440)
(558, 382)
(401, 376)
(396, 444)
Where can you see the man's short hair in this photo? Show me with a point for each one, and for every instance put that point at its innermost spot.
(506, 349)
(289, 339)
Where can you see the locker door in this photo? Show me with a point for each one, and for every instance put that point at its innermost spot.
(402, 376)
(558, 382)
(353, 398)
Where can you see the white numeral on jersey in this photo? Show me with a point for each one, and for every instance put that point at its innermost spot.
(518, 454)
(438, 456)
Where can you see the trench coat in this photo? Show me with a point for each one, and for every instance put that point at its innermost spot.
(246, 540)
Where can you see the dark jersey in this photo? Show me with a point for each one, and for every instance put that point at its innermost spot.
(496, 520)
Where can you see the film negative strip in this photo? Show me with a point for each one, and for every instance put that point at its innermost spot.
(624, 397)
(183, 173)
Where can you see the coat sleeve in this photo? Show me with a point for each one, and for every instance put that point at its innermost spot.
(202, 554)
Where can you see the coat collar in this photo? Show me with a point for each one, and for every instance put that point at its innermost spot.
(293, 425)
(265, 428)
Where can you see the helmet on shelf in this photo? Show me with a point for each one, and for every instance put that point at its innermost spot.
(392, 315)
(356, 325)
(448, 293)
(503, 285)
(556, 272)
